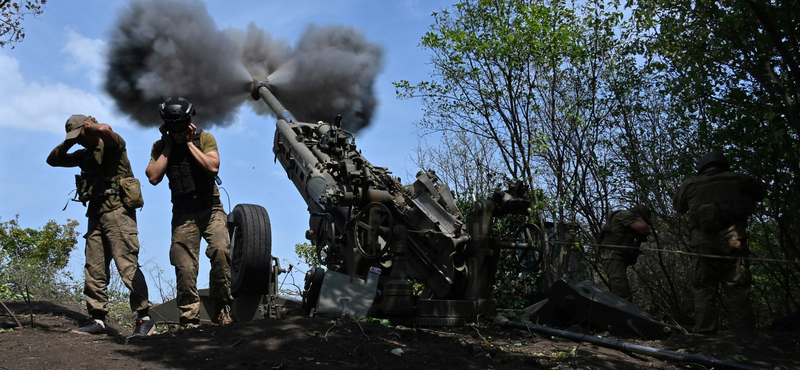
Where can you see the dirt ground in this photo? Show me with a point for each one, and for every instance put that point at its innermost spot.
(315, 343)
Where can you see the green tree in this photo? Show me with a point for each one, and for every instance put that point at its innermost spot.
(530, 80)
(33, 260)
(12, 13)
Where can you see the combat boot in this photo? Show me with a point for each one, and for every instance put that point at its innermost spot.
(222, 316)
(96, 326)
(144, 327)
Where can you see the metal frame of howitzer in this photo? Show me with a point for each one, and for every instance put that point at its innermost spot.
(246, 306)
(374, 237)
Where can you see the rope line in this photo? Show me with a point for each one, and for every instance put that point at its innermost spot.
(593, 245)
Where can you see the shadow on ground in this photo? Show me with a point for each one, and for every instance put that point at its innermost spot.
(317, 343)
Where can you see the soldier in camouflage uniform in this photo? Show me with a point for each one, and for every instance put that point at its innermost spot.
(719, 202)
(190, 159)
(112, 231)
(620, 240)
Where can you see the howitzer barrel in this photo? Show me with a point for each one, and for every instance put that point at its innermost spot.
(300, 162)
(261, 89)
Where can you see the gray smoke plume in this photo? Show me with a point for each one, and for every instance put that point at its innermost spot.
(260, 53)
(330, 73)
(162, 48)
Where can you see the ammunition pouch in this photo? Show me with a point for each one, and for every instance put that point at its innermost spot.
(89, 188)
(131, 192)
(186, 178)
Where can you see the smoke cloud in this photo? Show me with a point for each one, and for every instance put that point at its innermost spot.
(164, 48)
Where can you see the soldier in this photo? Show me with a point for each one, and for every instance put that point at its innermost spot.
(621, 238)
(719, 202)
(190, 159)
(112, 231)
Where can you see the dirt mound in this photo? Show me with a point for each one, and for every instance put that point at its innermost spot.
(316, 343)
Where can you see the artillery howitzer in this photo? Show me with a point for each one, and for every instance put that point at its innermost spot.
(374, 236)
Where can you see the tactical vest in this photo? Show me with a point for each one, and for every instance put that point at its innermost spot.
(187, 179)
(718, 203)
(98, 182)
(92, 187)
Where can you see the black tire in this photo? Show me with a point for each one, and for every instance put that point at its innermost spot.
(251, 250)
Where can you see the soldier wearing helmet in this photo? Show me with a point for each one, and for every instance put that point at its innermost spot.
(112, 233)
(718, 202)
(189, 157)
(620, 240)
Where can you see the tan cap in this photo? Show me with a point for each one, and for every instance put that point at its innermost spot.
(74, 125)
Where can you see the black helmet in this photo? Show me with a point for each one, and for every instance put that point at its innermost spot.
(712, 158)
(176, 109)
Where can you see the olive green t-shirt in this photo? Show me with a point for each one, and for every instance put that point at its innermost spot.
(106, 162)
(208, 144)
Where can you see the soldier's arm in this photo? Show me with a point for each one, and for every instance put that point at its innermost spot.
(626, 218)
(159, 159)
(755, 189)
(641, 227)
(208, 161)
(60, 158)
(103, 131)
(680, 202)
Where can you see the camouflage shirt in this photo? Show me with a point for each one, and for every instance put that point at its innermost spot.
(617, 230)
(730, 196)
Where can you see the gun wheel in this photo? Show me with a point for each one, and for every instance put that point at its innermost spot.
(529, 258)
(251, 250)
(373, 229)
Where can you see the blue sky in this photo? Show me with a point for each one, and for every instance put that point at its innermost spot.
(59, 68)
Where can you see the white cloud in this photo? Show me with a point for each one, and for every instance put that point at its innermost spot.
(88, 55)
(42, 106)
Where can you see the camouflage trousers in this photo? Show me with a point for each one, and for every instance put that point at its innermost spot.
(187, 229)
(733, 274)
(113, 236)
(616, 269)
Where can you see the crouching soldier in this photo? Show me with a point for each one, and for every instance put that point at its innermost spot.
(620, 240)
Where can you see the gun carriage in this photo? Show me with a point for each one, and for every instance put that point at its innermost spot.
(375, 238)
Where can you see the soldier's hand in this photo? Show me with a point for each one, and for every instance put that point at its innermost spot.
(192, 133)
(70, 142)
(167, 140)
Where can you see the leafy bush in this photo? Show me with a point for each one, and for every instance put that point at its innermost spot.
(33, 262)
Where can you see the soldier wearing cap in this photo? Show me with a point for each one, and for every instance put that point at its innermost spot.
(718, 202)
(112, 231)
(620, 240)
(189, 158)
